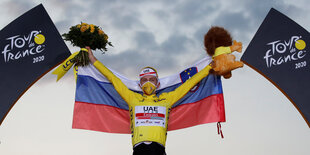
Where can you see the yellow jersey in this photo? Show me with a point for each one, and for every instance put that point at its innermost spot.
(149, 115)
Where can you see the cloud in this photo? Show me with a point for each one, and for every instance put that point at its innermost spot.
(195, 11)
(148, 52)
(256, 12)
(16, 7)
(145, 40)
(166, 35)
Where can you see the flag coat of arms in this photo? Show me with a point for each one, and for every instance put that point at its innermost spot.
(30, 47)
(280, 52)
(99, 107)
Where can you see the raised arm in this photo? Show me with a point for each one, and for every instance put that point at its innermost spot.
(119, 86)
(182, 90)
(91, 56)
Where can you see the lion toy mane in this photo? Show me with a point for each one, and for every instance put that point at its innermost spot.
(219, 44)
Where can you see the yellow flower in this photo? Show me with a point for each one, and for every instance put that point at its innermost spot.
(100, 32)
(78, 26)
(92, 28)
(84, 28)
(84, 24)
(105, 37)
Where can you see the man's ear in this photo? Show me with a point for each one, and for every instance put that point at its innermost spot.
(158, 84)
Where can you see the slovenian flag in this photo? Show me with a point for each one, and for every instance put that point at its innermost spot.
(99, 107)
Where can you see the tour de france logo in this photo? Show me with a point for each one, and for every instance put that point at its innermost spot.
(39, 39)
(300, 44)
(291, 51)
(30, 46)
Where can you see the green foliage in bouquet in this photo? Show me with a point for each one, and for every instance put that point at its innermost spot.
(83, 35)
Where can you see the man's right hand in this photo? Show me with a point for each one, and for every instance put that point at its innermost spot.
(91, 56)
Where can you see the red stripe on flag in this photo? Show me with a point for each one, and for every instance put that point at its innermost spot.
(98, 117)
(114, 120)
(207, 110)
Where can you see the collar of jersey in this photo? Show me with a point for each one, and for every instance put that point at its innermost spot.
(150, 96)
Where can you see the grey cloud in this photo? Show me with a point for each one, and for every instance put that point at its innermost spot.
(71, 11)
(165, 52)
(243, 23)
(199, 34)
(126, 62)
(162, 14)
(130, 62)
(126, 16)
(145, 40)
(17, 7)
(149, 53)
(127, 22)
(193, 11)
(176, 44)
(236, 23)
(233, 21)
(120, 14)
(63, 26)
(259, 9)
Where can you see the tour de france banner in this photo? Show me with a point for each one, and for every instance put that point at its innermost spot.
(30, 47)
(280, 52)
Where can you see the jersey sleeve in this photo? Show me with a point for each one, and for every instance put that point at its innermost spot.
(182, 90)
(119, 86)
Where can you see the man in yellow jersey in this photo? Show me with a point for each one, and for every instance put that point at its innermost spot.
(148, 113)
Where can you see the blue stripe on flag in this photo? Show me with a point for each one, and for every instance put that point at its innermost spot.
(208, 86)
(90, 90)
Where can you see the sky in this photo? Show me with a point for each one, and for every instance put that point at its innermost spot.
(167, 35)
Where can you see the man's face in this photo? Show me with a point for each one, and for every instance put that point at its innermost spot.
(147, 78)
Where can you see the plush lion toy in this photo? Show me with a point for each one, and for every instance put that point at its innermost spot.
(219, 45)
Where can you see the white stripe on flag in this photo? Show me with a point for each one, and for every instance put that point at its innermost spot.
(167, 81)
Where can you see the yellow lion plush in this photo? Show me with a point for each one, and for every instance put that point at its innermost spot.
(219, 45)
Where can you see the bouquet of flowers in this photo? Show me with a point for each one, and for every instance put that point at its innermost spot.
(83, 35)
